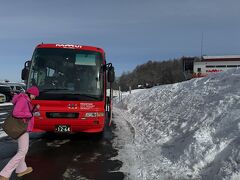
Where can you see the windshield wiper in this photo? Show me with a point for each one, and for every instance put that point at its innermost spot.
(49, 90)
(70, 93)
(86, 95)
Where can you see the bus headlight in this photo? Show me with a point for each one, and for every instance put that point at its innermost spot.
(94, 114)
(36, 114)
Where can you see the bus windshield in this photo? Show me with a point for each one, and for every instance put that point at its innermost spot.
(67, 74)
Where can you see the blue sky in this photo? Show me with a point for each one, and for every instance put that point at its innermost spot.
(130, 31)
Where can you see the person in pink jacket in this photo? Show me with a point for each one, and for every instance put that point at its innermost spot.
(23, 109)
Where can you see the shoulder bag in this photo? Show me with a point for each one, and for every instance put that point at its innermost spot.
(15, 127)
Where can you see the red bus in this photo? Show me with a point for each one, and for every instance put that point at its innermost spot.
(72, 80)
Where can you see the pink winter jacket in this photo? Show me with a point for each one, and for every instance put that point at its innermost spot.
(21, 109)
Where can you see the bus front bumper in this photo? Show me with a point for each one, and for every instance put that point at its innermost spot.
(69, 126)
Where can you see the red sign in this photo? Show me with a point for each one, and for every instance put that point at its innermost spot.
(214, 70)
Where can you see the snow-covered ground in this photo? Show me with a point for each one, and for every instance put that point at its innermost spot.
(2, 134)
(5, 104)
(188, 130)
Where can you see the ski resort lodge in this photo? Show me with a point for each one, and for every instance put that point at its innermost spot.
(214, 64)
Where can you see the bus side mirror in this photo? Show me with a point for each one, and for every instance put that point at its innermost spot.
(25, 70)
(111, 74)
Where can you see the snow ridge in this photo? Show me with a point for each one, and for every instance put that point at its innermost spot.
(187, 130)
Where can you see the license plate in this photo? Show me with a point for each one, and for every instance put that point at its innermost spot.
(63, 128)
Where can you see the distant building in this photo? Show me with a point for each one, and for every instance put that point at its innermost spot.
(214, 64)
(200, 67)
(188, 63)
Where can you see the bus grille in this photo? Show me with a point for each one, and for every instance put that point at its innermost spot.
(61, 115)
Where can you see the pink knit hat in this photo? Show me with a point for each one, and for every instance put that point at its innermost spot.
(33, 90)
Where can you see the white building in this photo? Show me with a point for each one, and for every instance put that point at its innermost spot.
(214, 64)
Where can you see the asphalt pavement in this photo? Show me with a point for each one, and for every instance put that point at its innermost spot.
(62, 156)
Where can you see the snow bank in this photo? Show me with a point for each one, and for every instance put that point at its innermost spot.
(3, 134)
(188, 130)
(6, 104)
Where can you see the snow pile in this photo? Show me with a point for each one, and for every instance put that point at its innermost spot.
(6, 104)
(2, 133)
(188, 130)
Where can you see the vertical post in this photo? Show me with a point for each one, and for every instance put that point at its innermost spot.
(202, 45)
(111, 103)
(130, 89)
(119, 91)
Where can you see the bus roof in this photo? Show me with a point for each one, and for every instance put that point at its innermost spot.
(70, 46)
(221, 58)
